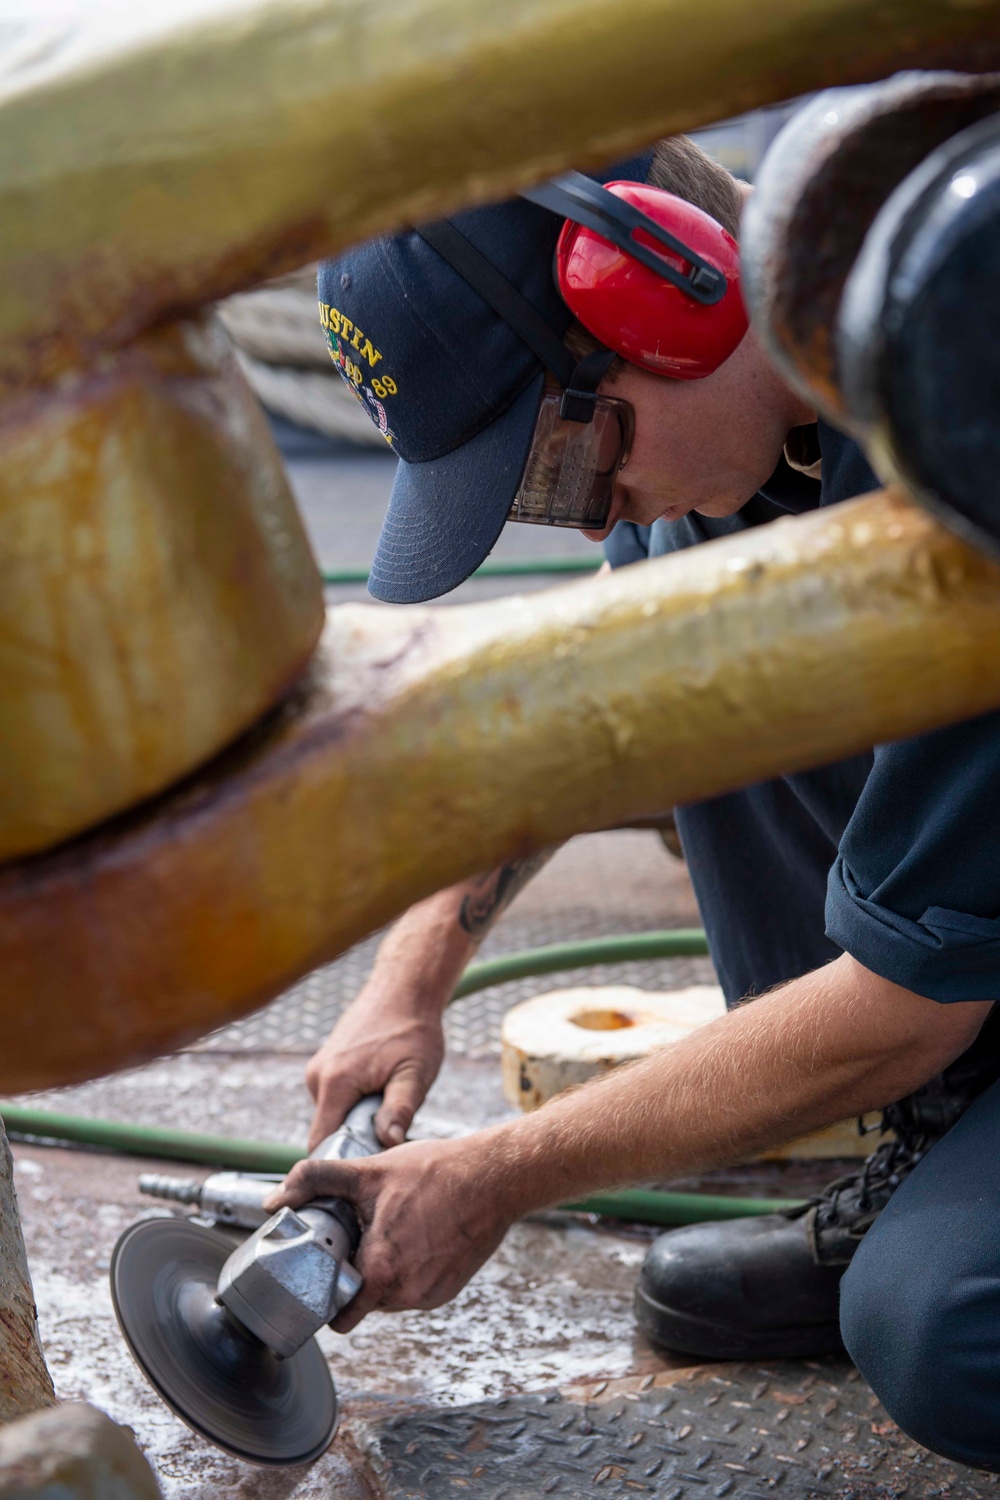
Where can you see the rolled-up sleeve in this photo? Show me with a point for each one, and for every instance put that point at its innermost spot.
(914, 894)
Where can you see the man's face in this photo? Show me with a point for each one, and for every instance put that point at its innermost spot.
(703, 445)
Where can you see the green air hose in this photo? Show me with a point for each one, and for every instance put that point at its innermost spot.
(684, 942)
(639, 1205)
(517, 568)
(148, 1140)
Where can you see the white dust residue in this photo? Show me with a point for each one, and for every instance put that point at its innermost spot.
(550, 1309)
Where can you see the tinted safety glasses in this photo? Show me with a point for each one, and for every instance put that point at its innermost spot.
(569, 478)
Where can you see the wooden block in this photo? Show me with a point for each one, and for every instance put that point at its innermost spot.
(560, 1039)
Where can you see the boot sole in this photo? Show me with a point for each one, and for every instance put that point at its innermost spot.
(683, 1334)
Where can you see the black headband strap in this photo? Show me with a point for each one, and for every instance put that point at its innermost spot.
(580, 395)
(578, 378)
(586, 202)
(505, 299)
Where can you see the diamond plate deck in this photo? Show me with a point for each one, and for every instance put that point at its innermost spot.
(799, 1430)
(607, 883)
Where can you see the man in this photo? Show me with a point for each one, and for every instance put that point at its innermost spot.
(858, 904)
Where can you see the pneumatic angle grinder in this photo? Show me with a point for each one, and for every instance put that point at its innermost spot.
(226, 1336)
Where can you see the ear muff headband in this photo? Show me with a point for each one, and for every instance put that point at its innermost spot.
(653, 277)
(586, 202)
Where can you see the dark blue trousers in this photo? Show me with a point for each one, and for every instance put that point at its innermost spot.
(920, 1303)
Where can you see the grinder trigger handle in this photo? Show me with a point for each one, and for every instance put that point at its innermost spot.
(355, 1138)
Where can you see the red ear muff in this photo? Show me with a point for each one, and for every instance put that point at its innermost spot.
(632, 308)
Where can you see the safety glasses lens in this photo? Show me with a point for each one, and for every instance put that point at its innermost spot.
(572, 466)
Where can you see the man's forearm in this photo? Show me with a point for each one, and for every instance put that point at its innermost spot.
(390, 1040)
(485, 897)
(426, 951)
(833, 1044)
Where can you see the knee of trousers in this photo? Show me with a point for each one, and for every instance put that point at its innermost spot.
(927, 1341)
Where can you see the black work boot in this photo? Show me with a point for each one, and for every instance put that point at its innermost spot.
(770, 1286)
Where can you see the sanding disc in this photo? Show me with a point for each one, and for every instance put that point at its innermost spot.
(218, 1378)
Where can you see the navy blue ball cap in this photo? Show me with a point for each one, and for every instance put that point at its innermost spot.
(451, 386)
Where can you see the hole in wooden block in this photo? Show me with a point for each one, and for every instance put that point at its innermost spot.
(603, 1020)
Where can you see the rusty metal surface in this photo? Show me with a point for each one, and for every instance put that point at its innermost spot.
(802, 1430)
(819, 190)
(769, 652)
(76, 1453)
(600, 884)
(159, 593)
(151, 161)
(25, 1383)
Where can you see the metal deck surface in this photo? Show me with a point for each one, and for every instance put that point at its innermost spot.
(796, 1429)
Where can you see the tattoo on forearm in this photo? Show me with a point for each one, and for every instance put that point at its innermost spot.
(495, 891)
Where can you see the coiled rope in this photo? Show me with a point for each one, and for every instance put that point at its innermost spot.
(283, 352)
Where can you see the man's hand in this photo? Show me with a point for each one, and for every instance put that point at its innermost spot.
(391, 1040)
(381, 1045)
(431, 1213)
